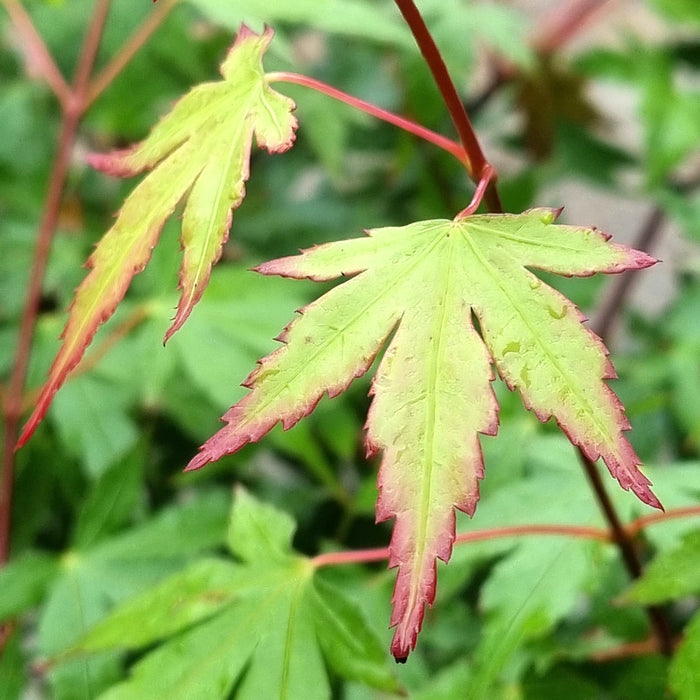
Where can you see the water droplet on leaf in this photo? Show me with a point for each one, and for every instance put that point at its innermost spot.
(557, 314)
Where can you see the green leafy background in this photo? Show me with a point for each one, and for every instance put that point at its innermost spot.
(126, 573)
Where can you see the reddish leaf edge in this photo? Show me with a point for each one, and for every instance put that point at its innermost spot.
(407, 631)
(114, 164)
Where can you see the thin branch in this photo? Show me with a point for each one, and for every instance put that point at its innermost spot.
(452, 100)
(120, 60)
(37, 54)
(406, 124)
(601, 534)
(625, 544)
(552, 32)
(641, 523)
(354, 556)
(364, 556)
(590, 533)
(47, 227)
(619, 535)
(622, 284)
(488, 177)
(88, 54)
(12, 408)
(626, 651)
(558, 27)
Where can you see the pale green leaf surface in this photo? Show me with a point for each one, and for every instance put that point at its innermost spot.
(177, 602)
(288, 661)
(265, 625)
(179, 531)
(202, 663)
(89, 582)
(432, 396)
(348, 643)
(236, 319)
(202, 147)
(258, 533)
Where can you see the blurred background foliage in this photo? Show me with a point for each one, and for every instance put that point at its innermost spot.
(606, 122)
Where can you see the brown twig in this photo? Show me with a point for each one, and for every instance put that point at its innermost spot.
(625, 651)
(552, 32)
(625, 544)
(115, 66)
(622, 284)
(559, 27)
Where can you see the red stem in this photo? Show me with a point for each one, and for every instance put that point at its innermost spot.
(488, 177)
(452, 100)
(406, 124)
(365, 556)
(73, 110)
(115, 66)
(74, 100)
(636, 526)
(37, 55)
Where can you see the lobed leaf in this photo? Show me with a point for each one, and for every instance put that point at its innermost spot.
(264, 625)
(202, 147)
(425, 283)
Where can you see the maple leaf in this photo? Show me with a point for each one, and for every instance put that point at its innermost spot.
(202, 147)
(268, 623)
(424, 283)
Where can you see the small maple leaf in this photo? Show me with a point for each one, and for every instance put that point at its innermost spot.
(424, 283)
(202, 147)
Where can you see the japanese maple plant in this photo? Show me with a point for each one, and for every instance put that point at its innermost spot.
(446, 304)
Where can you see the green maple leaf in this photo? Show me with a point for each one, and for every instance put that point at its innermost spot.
(418, 288)
(266, 621)
(200, 150)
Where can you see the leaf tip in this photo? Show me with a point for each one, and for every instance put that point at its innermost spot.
(183, 313)
(640, 260)
(197, 462)
(549, 216)
(115, 163)
(646, 495)
(38, 414)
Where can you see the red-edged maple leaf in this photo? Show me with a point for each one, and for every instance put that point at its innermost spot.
(202, 147)
(424, 283)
